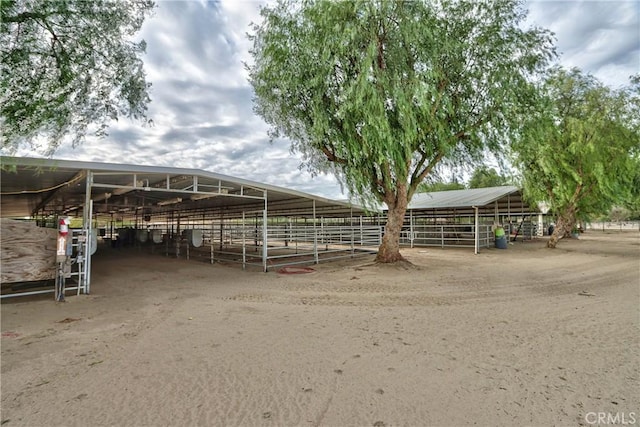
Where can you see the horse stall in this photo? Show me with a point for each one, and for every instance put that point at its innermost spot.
(30, 261)
(466, 218)
(174, 212)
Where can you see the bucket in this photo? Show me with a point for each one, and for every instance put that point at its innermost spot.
(143, 236)
(93, 242)
(156, 236)
(501, 242)
(194, 237)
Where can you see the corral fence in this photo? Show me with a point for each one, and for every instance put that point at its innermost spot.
(291, 241)
(614, 225)
(288, 242)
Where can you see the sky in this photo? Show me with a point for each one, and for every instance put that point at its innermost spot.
(202, 107)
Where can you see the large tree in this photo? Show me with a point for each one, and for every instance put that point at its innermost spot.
(578, 150)
(484, 176)
(382, 91)
(69, 67)
(430, 187)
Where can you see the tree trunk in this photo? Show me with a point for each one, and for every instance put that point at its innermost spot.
(389, 250)
(564, 225)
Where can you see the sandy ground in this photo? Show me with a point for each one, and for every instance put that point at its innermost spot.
(524, 336)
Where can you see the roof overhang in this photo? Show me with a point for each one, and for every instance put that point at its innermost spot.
(36, 186)
(503, 199)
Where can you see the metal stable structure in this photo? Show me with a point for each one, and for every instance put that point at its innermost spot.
(467, 218)
(205, 216)
(183, 213)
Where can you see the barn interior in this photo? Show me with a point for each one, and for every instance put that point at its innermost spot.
(468, 217)
(177, 212)
(208, 217)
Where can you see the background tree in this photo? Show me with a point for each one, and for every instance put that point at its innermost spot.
(69, 66)
(380, 92)
(578, 150)
(619, 214)
(429, 187)
(632, 204)
(484, 176)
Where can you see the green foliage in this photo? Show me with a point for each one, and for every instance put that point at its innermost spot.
(439, 186)
(69, 66)
(381, 92)
(579, 149)
(484, 177)
(632, 202)
(619, 214)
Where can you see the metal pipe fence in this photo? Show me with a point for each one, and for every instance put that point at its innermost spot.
(446, 235)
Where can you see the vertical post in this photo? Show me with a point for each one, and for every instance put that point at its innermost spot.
(315, 235)
(86, 220)
(353, 232)
(89, 250)
(169, 234)
(509, 214)
(244, 245)
(264, 233)
(177, 236)
(540, 231)
(211, 239)
(411, 227)
(287, 232)
(477, 231)
(221, 227)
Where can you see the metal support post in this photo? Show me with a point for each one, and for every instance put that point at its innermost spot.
(264, 233)
(244, 243)
(411, 227)
(477, 231)
(315, 235)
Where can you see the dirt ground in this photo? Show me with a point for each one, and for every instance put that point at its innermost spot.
(523, 336)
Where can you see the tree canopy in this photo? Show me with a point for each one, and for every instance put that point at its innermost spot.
(381, 92)
(69, 67)
(429, 187)
(484, 176)
(579, 149)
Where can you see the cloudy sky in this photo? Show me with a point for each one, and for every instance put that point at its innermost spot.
(201, 100)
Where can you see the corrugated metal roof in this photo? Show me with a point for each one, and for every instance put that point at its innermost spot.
(460, 198)
(28, 183)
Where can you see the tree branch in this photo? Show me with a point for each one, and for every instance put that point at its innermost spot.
(24, 17)
(331, 156)
(417, 179)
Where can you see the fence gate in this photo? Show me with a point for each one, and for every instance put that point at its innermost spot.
(72, 274)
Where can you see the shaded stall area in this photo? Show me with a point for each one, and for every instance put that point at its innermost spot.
(468, 218)
(176, 212)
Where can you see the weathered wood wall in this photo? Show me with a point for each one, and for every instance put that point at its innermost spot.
(28, 252)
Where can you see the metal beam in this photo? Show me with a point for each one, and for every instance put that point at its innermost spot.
(171, 190)
(77, 177)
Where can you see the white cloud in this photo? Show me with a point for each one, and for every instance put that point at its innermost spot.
(599, 37)
(202, 101)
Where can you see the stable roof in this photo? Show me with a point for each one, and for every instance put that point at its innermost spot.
(460, 198)
(507, 199)
(32, 186)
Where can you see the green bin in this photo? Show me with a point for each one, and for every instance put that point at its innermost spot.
(501, 239)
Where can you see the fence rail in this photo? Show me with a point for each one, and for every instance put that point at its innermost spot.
(308, 241)
(447, 235)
